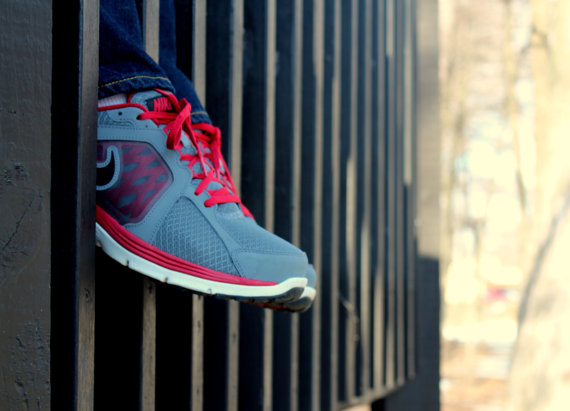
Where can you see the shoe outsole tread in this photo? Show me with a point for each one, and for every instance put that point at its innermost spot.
(300, 304)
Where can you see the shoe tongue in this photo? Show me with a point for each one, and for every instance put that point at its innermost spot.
(152, 100)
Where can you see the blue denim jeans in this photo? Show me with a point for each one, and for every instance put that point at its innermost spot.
(124, 66)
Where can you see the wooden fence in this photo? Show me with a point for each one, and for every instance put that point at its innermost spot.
(316, 100)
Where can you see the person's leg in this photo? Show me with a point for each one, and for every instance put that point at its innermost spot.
(168, 46)
(124, 66)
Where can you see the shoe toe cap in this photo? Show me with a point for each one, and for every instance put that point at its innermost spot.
(274, 267)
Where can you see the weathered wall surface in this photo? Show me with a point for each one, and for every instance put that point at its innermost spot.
(25, 138)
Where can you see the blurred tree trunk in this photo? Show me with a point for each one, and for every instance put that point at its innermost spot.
(540, 374)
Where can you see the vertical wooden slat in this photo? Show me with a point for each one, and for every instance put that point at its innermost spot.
(378, 144)
(199, 8)
(365, 194)
(236, 98)
(75, 69)
(233, 356)
(287, 180)
(409, 180)
(311, 327)
(26, 227)
(328, 285)
(225, 77)
(85, 206)
(150, 29)
(400, 206)
(258, 137)
(269, 223)
(148, 349)
(390, 195)
(234, 156)
(336, 108)
(197, 352)
(359, 194)
(351, 117)
(223, 101)
(173, 347)
(270, 103)
(345, 309)
(199, 13)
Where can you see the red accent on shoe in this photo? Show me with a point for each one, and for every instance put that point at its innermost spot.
(161, 104)
(150, 253)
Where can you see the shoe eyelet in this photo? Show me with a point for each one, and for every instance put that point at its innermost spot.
(120, 113)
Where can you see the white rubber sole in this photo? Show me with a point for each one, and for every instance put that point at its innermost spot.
(299, 305)
(309, 292)
(288, 290)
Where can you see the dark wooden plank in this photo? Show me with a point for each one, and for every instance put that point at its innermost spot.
(390, 199)
(148, 346)
(287, 179)
(197, 390)
(258, 141)
(25, 227)
(329, 270)
(220, 354)
(75, 69)
(410, 182)
(422, 393)
(256, 347)
(150, 27)
(311, 189)
(174, 347)
(225, 77)
(345, 310)
(198, 76)
(118, 337)
(223, 100)
(258, 111)
(378, 216)
(199, 8)
(350, 133)
(150, 30)
(400, 205)
(233, 356)
(364, 197)
(234, 155)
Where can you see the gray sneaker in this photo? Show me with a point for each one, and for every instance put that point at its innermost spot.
(166, 207)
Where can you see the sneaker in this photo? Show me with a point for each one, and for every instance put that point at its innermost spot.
(167, 208)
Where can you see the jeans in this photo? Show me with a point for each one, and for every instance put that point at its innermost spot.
(124, 66)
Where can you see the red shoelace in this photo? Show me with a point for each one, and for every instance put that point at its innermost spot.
(211, 137)
(202, 136)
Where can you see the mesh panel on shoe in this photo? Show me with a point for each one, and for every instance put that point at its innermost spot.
(186, 234)
(251, 236)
